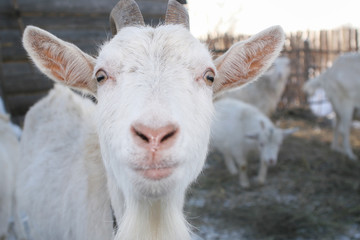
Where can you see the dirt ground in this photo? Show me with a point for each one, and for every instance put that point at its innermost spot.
(312, 192)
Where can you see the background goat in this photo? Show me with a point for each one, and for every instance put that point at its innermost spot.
(9, 155)
(239, 128)
(341, 83)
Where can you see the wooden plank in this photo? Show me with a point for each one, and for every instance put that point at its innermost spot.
(74, 20)
(27, 84)
(68, 20)
(8, 22)
(1, 77)
(5, 6)
(64, 6)
(152, 11)
(71, 22)
(17, 68)
(357, 40)
(13, 36)
(20, 103)
(151, 7)
(14, 53)
(17, 53)
(9, 35)
(10, 43)
(85, 39)
(80, 35)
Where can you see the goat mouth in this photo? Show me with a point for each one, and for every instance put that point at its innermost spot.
(156, 171)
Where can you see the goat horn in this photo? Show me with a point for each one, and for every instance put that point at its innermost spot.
(125, 13)
(177, 14)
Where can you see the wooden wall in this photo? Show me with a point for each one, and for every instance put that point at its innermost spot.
(82, 22)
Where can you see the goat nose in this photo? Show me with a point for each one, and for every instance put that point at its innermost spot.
(154, 139)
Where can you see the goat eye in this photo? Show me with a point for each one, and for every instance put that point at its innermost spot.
(209, 76)
(101, 76)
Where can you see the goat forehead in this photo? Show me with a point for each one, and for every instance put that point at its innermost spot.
(135, 48)
(271, 134)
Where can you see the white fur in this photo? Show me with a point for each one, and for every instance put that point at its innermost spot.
(265, 92)
(16, 129)
(341, 83)
(9, 154)
(76, 149)
(62, 182)
(239, 128)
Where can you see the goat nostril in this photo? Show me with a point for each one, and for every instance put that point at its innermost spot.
(140, 135)
(154, 138)
(169, 135)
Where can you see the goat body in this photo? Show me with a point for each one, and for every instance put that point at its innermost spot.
(9, 156)
(239, 128)
(341, 83)
(76, 176)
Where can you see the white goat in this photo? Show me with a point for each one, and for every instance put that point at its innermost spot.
(266, 92)
(341, 83)
(146, 139)
(239, 128)
(9, 155)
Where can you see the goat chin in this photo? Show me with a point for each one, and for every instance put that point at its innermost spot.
(160, 218)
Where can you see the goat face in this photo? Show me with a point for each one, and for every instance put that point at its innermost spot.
(154, 89)
(269, 142)
(154, 107)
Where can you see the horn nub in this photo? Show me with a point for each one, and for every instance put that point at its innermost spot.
(125, 13)
(177, 14)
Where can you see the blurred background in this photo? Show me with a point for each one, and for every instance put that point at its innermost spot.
(313, 192)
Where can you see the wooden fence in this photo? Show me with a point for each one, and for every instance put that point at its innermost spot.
(310, 52)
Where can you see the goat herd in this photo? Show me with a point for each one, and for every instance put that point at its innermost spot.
(119, 169)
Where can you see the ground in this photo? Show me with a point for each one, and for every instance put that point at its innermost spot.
(312, 192)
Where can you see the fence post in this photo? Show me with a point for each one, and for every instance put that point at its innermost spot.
(307, 65)
(2, 91)
(356, 40)
(307, 59)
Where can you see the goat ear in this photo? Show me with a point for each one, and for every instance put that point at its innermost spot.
(289, 131)
(59, 60)
(247, 60)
